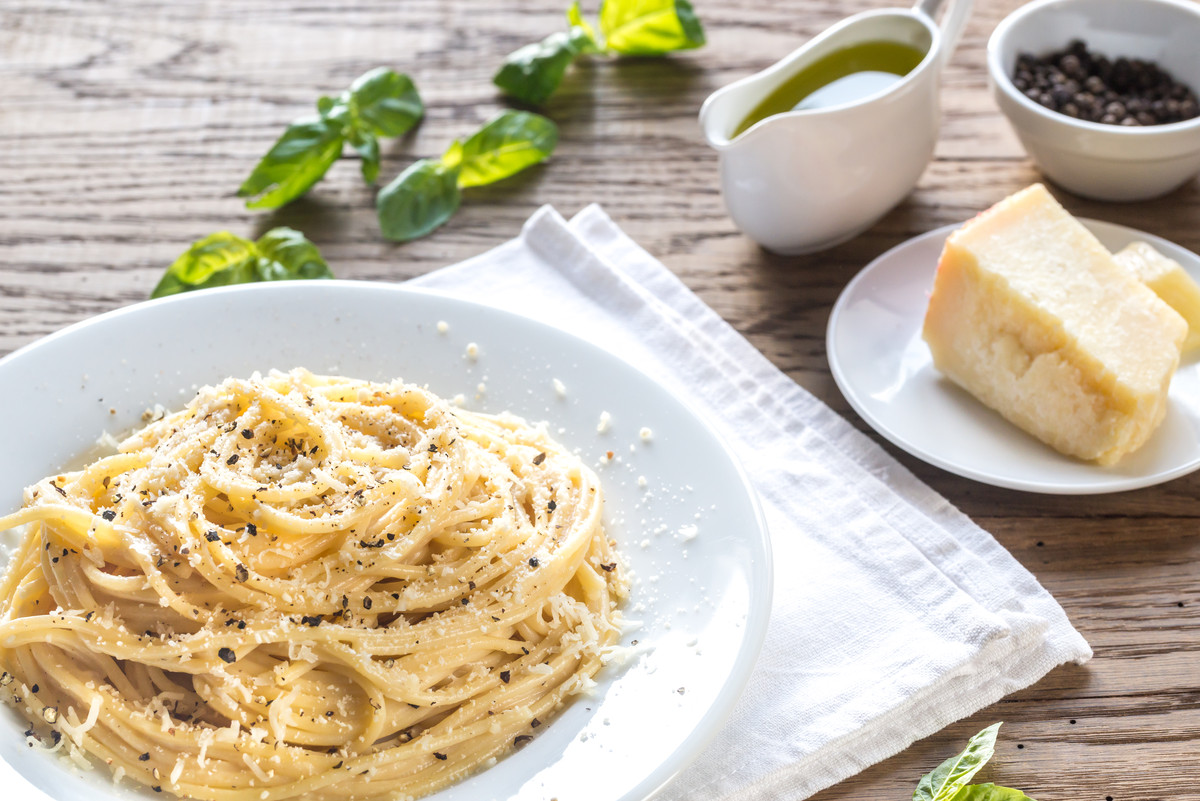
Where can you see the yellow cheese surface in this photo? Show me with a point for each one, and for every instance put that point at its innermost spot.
(1031, 315)
(1169, 281)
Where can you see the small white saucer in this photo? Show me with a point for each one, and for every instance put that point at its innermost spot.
(884, 368)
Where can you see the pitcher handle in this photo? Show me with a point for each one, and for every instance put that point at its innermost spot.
(953, 22)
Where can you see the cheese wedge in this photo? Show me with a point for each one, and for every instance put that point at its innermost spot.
(1169, 282)
(1031, 315)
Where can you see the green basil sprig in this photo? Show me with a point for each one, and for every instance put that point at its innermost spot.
(428, 193)
(948, 781)
(379, 103)
(627, 27)
(222, 259)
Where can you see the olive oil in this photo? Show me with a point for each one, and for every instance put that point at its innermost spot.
(843, 76)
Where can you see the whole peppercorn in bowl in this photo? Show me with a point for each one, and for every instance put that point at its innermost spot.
(1103, 93)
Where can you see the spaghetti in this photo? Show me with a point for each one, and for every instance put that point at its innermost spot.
(308, 587)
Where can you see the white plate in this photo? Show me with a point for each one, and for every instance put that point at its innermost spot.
(884, 368)
(703, 600)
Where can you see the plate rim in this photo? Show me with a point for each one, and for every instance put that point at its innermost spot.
(849, 391)
(760, 577)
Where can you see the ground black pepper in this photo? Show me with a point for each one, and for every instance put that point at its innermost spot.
(1088, 86)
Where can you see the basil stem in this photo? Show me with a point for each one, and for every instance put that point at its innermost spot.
(379, 103)
(223, 259)
(428, 193)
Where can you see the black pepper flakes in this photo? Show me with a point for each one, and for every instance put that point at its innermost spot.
(212, 536)
(109, 514)
(552, 506)
(247, 433)
(533, 561)
(366, 602)
(505, 676)
(608, 568)
(34, 688)
(241, 573)
(252, 529)
(521, 739)
(144, 757)
(232, 459)
(311, 620)
(533, 724)
(227, 655)
(440, 755)
(541, 457)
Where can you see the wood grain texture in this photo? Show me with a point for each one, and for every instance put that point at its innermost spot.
(126, 126)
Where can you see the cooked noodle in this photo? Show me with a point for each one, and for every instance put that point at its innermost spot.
(308, 587)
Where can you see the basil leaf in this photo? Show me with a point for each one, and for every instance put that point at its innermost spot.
(650, 27)
(222, 259)
(948, 778)
(384, 103)
(286, 254)
(215, 260)
(294, 163)
(368, 148)
(510, 142)
(990, 792)
(532, 73)
(419, 200)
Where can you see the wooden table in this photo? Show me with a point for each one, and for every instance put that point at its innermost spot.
(126, 126)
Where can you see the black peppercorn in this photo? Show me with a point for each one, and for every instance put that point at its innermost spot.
(1087, 86)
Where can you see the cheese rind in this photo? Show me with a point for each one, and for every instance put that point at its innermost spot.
(1169, 281)
(1031, 315)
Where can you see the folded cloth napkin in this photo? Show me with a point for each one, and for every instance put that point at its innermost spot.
(907, 617)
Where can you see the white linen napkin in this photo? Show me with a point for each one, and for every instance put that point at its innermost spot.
(906, 616)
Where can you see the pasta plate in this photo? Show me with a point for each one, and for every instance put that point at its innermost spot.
(677, 503)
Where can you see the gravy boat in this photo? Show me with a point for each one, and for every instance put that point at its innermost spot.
(808, 179)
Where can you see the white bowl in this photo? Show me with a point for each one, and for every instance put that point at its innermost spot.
(1099, 161)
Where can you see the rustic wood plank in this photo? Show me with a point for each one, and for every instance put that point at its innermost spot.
(126, 126)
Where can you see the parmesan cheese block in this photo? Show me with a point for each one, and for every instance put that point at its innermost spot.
(1169, 282)
(1031, 315)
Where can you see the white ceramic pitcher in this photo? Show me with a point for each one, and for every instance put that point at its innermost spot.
(806, 180)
